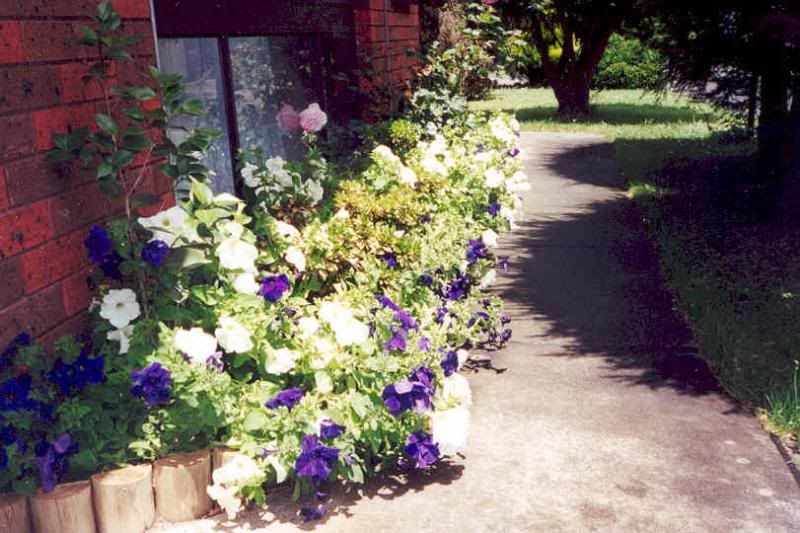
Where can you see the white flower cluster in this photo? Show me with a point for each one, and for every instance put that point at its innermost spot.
(384, 156)
(276, 180)
(229, 478)
(450, 421)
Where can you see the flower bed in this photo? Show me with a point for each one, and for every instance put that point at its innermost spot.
(316, 326)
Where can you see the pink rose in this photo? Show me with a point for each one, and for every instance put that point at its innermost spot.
(288, 119)
(313, 119)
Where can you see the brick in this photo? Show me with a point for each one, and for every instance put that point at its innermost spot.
(60, 120)
(3, 190)
(76, 293)
(76, 325)
(34, 314)
(17, 136)
(74, 89)
(133, 8)
(24, 228)
(28, 87)
(11, 48)
(51, 41)
(34, 178)
(11, 288)
(77, 208)
(53, 261)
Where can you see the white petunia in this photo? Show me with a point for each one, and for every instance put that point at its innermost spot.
(489, 238)
(342, 214)
(432, 165)
(488, 279)
(236, 254)
(196, 344)
(348, 329)
(494, 178)
(286, 230)
(308, 326)
(231, 230)
(245, 283)
(408, 177)
(122, 336)
(294, 256)
(483, 157)
(226, 498)
(276, 167)
(314, 190)
(455, 390)
(281, 361)
(438, 146)
(449, 429)
(237, 471)
(323, 382)
(120, 307)
(326, 351)
(166, 225)
(248, 174)
(232, 336)
(384, 153)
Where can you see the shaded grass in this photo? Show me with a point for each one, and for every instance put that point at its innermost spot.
(734, 271)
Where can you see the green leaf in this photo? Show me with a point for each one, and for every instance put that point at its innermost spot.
(193, 107)
(202, 192)
(209, 216)
(360, 404)
(105, 169)
(188, 257)
(255, 421)
(134, 113)
(136, 143)
(122, 158)
(110, 186)
(89, 35)
(106, 123)
(144, 199)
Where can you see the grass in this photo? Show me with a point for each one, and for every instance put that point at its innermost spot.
(733, 270)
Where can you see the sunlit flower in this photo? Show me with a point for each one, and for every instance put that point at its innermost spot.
(167, 225)
(455, 389)
(432, 165)
(384, 154)
(232, 336)
(249, 176)
(422, 449)
(294, 256)
(281, 361)
(345, 326)
(196, 344)
(494, 178)
(245, 283)
(450, 428)
(226, 498)
(308, 326)
(489, 237)
(286, 230)
(120, 307)
(408, 177)
(488, 279)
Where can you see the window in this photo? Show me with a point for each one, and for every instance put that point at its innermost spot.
(246, 59)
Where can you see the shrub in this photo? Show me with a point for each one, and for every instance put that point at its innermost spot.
(630, 64)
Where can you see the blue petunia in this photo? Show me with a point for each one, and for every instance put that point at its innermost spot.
(286, 398)
(152, 384)
(98, 243)
(494, 209)
(155, 251)
(315, 460)
(397, 342)
(476, 249)
(425, 279)
(424, 344)
(386, 302)
(390, 260)
(414, 393)
(328, 429)
(450, 363)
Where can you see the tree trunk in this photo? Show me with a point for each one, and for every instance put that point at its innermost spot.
(773, 118)
(573, 97)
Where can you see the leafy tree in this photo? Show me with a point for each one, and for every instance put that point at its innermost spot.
(571, 37)
(740, 53)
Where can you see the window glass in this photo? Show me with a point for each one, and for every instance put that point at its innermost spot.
(198, 61)
(268, 73)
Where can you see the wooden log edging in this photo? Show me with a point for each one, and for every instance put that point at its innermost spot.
(123, 499)
(127, 500)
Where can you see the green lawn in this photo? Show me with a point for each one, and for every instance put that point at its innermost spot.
(733, 270)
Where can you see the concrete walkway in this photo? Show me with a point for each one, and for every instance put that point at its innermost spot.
(604, 420)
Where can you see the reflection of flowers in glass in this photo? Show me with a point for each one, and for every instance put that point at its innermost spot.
(288, 119)
(248, 173)
(313, 119)
(120, 307)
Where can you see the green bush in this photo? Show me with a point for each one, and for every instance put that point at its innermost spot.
(630, 64)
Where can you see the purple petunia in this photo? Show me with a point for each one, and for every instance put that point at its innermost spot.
(424, 219)
(386, 302)
(407, 321)
(450, 363)
(413, 393)
(98, 243)
(441, 312)
(110, 265)
(215, 362)
(315, 460)
(51, 460)
(458, 287)
(505, 336)
(314, 512)
(476, 249)
(274, 287)
(154, 252)
(398, 340)
(286, 398)
(422, 449)
(328, 429)
(151, 383)
(514, 152)
(493, 209)
(503, 262)
(425, 279)
(424, 344)
(390, 260)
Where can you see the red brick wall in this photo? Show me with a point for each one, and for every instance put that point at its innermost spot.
(45, 211)
(385, 31)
